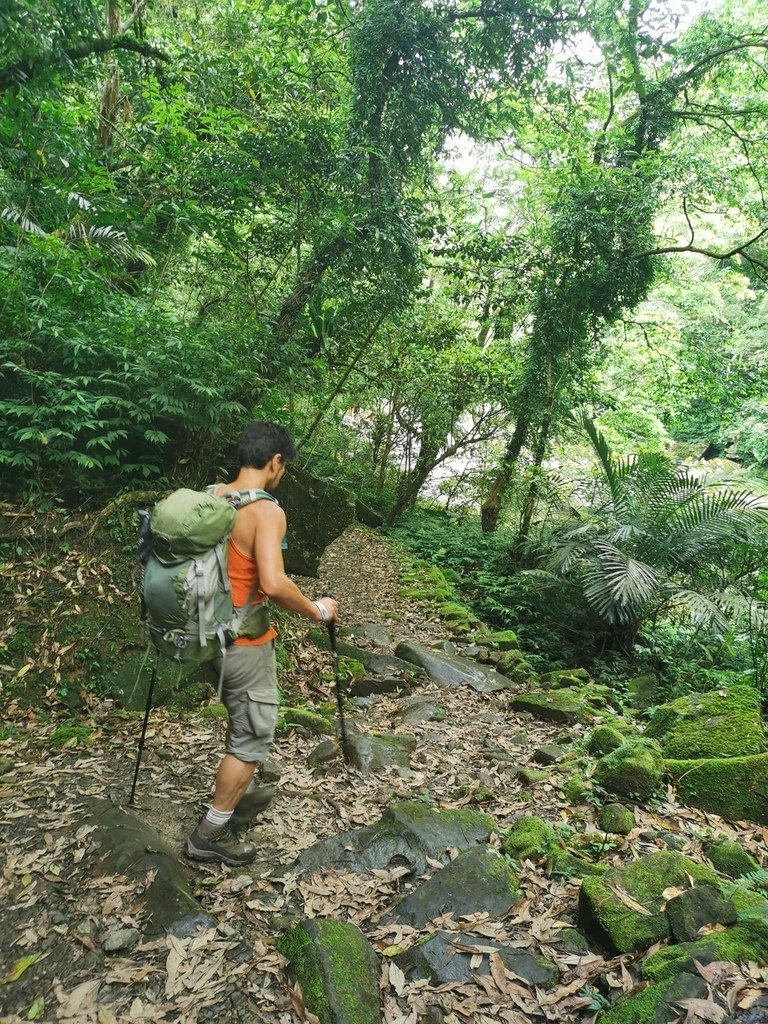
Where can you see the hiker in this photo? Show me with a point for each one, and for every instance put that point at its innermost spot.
(249, 669)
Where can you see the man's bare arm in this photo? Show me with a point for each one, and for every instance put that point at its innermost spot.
(270, 530)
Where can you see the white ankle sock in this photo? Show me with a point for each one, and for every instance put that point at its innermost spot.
(217, 818)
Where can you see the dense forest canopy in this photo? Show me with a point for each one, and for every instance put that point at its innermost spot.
(456, 246)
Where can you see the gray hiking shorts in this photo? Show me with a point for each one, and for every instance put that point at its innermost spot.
(250, 696)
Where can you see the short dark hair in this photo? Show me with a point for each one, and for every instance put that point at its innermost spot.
(261, 441)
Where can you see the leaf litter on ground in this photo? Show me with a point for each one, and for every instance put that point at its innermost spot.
(58, 913)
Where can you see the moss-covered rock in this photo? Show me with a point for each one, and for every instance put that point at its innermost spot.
(351, 668)
(214, 711)
(616, 818)
(553, 705)
(747, 941)
(569, 865)
(604, 739)
(615, 922)
(530, 838)
(458, 617)
(641, 690)
(476, 881)
(722, 723)
(513, 664)
(408, 833)
(503, 639)
(337, 969)
(633, 769)
(303, 718)
(71, 734)
(576, 788)
(532, 776)
(731, 859)
(694, 908)
(734, 787)
(657, 1004)
(563, 678)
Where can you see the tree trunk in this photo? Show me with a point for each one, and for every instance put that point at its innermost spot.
(412, 481)
(308, 280)
(529, 505)
(491, 507)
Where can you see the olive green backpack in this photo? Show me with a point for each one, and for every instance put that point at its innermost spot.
(187, 598)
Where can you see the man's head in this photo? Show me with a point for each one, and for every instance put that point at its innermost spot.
(269, 446)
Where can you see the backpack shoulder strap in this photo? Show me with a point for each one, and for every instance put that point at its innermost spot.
(239, 499)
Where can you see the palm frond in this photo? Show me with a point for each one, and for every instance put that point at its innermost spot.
(699, 609)
(619, 588)
(614, 470)
(12, 216)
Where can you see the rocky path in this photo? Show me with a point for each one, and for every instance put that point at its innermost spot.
(76, 941)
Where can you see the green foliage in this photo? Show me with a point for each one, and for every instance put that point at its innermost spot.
(658, 540)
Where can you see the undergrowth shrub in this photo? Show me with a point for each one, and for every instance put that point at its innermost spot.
(98, 389)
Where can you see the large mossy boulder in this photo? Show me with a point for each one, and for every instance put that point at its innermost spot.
(337, 970)
(722, 723)
(123, 845)
(318, 512)
(477, 881)
(634, 769)
(626, 909)
(733, 787)
(445, 957)
(407, 834)
(564, 706)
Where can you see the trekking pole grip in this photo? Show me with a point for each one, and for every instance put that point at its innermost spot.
(332, 623)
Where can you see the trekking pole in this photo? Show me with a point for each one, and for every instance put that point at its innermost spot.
(144, 729)
(337, 682)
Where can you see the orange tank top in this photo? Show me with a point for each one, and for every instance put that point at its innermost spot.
(243, 576)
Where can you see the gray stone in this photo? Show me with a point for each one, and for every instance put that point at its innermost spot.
(470, 651)
(440, 959)
(337, 969)
(446, 647)
(270, 771)
(121, 939)
(373, 632)
(323, 753)
(572, 941)
(318, 512)
(453, 671)
(372, 753)
(379, 664)
(421, 710)
(549, 754)
(477, 881)
(133, 848)
(371, 685)
(657, 1004)
(407, 834)
(694, 908)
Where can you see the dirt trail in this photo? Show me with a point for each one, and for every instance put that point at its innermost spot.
(56, 905)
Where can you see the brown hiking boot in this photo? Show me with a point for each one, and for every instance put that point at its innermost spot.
(255, 800)
(217, 842)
